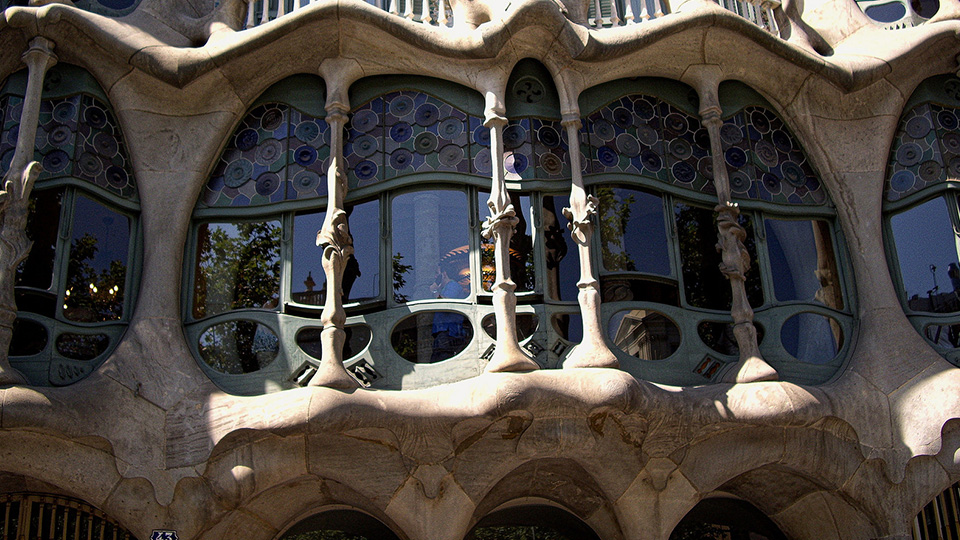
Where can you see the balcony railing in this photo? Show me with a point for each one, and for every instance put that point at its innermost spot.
(759, 12)
(439, 13)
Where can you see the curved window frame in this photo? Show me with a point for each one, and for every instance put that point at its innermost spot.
(694, 361)
(939, 91)
(378, 364)
(49, 366)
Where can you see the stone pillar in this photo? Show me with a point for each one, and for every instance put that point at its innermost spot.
(593, 350)
(499, 227)
(735, 258)
(337, 246)
(15, 198)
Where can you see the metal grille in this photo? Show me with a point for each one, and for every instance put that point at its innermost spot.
(47, 517)
(940, 520)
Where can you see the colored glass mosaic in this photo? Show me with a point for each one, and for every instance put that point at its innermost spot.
(765, 162)
(926, 150)
(77, 136)
(646, 136)
(535, 148)
(409, 132)
(276, 154)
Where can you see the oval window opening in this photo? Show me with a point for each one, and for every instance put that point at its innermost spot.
(942, 335)
(811, 338)
(645, 334)
(719, 336)
(357, 339)
(82, 346)
(569, 326)
(238, 347)
(887, 13)
(432, 336)
(526, 325)
(29, 338)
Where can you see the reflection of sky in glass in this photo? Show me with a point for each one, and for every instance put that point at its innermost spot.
(644, 235)
(307, 256)
(924, 236)
(429, 226)
(365, 228)
(364, 221)
(809, 338)
(112, 231)
(570, 326)
(793, 259)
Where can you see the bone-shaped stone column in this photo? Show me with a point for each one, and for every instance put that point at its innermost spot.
(735, 263)
(499, 227)
(593, 350)
(336, 244)
(15, 198)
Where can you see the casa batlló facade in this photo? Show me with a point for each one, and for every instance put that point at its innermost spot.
(435, 270)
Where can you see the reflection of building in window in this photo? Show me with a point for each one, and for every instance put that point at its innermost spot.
(920, 201)
(650, 336)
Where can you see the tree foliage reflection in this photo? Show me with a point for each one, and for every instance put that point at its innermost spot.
(238, 266)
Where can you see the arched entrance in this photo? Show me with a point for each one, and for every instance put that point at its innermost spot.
(339, 525)
(48, 517)
(531, 522)
(726, 519)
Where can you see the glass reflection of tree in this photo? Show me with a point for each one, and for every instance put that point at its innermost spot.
(517, 532)
(238, 270)
(614, 217)
(704, 284)
(400, 271)
(92, 295)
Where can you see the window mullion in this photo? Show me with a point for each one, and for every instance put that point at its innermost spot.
(64, 237)
(286, 258)
(386, 240)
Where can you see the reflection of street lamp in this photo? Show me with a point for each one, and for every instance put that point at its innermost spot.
(933, 270)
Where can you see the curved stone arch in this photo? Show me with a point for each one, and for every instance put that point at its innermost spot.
(519, 513)
(717, 513)
(560, 482)
(269, 514)
(60, 468)
(342, 517)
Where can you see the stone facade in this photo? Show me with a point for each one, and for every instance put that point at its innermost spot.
(148, 438)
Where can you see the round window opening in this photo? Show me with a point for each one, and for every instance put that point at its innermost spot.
(237, 347)
(431, 336)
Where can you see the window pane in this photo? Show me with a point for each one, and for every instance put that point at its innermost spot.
(703, 282)
(238, 346)
(633, 236)
(521, 245)
(801, 256)
(43, 224)
(361, 278)
(645, 334)
(82, 346)
(563, 263)
(430, 245)
(428, 337)
(98, 263)
(237, 266)
(364, 268)
(29, 338)
(927, 252)
(309, 281)
(811, 338)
